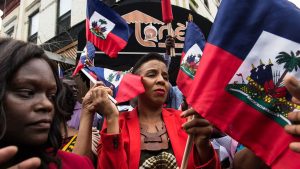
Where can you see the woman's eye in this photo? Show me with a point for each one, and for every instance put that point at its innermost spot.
(52, 97)
(25, 93)
(150, 74)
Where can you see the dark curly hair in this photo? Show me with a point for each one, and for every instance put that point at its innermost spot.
(66, 103)
(14, 54)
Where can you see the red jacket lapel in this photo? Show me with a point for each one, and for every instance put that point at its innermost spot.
(135, 139)
(177, 136)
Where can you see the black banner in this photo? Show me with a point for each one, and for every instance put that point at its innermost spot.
(149, 35)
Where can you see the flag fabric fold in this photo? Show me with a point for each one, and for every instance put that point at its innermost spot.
(166, 9)
(105, 28)
(238, 85)
(130, 87)
(87, 55)
(125, 86)
(192, 51)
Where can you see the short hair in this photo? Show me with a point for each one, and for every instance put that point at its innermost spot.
(146, 58)
(14, 54)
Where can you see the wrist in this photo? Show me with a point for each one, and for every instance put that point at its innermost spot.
(112, 123)
(112, 117)
(204, 143)
(87, 111)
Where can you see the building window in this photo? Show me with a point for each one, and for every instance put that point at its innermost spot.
(33, 27)
(10, 32)
(64, 16)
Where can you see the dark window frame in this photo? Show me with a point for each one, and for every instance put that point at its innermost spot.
(63, 23)
(33, 37)
(65, 18)
(10, 31)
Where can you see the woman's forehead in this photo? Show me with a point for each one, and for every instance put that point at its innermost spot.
(153, 64)
(35, 70)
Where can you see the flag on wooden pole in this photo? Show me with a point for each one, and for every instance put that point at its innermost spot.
(238, 85)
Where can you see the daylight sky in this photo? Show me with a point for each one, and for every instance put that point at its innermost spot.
(296, 2)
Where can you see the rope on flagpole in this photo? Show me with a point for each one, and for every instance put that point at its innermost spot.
(95, 82)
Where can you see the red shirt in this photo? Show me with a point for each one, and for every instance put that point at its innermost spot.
(71, 161)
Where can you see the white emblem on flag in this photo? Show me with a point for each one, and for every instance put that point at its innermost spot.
(191, 61)
(113, 76)
(100, 25)
(259, 79)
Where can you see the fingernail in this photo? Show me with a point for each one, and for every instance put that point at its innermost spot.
(182, 114)
(295, 146)
(289, 128)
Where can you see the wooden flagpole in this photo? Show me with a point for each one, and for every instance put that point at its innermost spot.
(187, 150)
(189, 142)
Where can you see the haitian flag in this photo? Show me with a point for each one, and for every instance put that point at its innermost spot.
(87, 55)
(105, 28)
(252, 45)
(125, 86)
(60, 71)
(192, 51)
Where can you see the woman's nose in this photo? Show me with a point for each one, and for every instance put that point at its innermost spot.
(45, 104)
(161, 79)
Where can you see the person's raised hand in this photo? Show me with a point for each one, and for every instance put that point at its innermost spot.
(170, 43)
(8, 152)
(197, 126)
(96, 100)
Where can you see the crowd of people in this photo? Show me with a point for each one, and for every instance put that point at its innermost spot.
(37, 128)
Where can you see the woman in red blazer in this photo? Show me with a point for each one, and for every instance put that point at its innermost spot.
(150, 136)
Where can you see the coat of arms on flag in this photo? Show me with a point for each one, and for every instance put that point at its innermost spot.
(100, 26)
(191, 61)
(110, 78)
(264, 69)
(192, 51)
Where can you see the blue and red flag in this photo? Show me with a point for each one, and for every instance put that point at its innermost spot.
(192, 51)
(238, 86)
(105, 28)
(125, 86)
(60, 71)
(87, 55)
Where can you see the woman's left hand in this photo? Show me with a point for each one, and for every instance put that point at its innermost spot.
(197, 126)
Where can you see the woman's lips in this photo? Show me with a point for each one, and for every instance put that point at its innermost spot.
(160, 92)
(41, 124)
